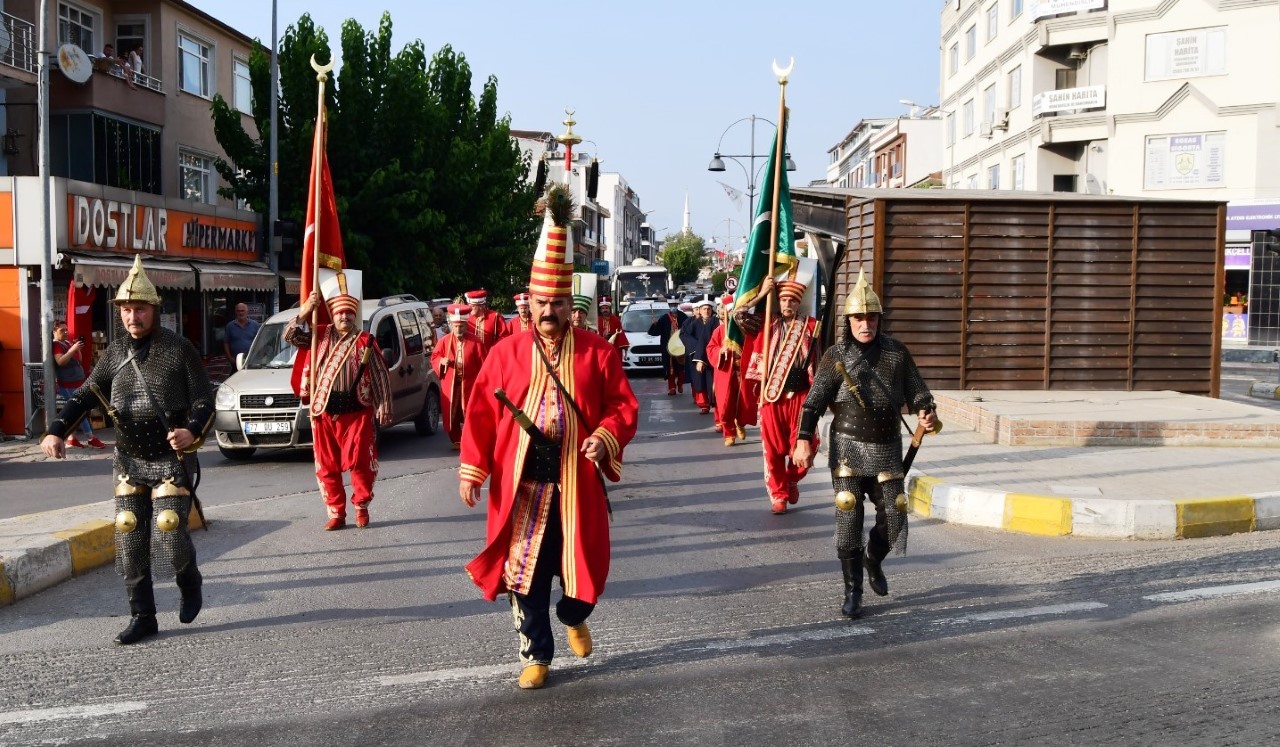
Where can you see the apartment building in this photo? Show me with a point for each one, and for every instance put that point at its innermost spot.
(886, 153)
(1151, 98)
(132, 153)
(590, 244)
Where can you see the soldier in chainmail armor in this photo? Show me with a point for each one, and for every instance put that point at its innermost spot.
(158, 395)
(878, 380)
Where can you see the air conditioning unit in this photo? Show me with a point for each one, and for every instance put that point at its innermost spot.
(1000, 120)
(984, 129)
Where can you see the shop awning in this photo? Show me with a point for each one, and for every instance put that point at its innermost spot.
(235, 276)
(292, 282)
(105, 272)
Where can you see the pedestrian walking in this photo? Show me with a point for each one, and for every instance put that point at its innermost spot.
(523, 320)
(486, 325)
(725, 378)
(552, 413)
(663, 328)
(792, 359)
(866, 379)
(352, 387)
(153, 386)
(68, 376)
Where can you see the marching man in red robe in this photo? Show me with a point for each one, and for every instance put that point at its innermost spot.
(793, 356)
(523, 320)
(351, 387)
(724, 379)
(486, 325)
(550, 417)
(610, 326)
(456, 359)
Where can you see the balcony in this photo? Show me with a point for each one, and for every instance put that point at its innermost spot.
(21, 53)
(108, 91)
(1070, 22)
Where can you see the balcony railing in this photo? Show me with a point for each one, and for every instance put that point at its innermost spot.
(139, 79)
(21, 53)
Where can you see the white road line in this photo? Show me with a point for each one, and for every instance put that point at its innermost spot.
(1210, 592)
(1052, 609)
(58, 714)
(448, 675)
(787, 639)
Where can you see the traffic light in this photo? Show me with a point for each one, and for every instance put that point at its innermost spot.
(290, 237)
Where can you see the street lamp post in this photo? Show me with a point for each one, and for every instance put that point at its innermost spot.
(717, 162)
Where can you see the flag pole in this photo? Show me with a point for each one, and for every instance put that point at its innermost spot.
(317, 179)
(774, 222)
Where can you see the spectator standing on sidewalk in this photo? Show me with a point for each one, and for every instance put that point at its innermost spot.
(70, 375)
(238, 335)
(866, 438)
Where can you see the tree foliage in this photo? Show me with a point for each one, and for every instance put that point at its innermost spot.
(684, 255)
(431, 189)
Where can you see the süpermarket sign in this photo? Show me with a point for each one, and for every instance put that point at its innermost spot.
(116, 226)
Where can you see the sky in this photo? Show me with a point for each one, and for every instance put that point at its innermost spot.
(655, 84)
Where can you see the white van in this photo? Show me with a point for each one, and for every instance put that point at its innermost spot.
(255, 408)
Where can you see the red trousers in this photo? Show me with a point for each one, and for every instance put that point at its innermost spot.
(344, 443)
(727, 403)
(779, 422)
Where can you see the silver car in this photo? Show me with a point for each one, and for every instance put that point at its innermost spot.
(257, 409)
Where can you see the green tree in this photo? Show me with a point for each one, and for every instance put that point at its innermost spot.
(717, 281)
(684, 255)
(431, 188)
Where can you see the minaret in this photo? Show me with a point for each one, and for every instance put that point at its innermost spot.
(687, 228)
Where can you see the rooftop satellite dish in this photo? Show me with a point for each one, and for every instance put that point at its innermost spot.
(74, 63)
(1091, 185)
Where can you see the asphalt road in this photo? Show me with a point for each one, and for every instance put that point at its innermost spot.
(720, 626)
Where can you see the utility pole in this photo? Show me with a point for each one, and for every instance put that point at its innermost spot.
(46, 237)
(273, 183)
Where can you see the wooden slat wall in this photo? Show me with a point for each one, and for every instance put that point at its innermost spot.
(923, 278)
(1044, 294)
(1177, 310)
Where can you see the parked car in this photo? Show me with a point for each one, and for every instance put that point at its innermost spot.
(257, 409)
(645, 353)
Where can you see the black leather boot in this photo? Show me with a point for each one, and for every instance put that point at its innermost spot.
(850, 564)
(142, 607)
(875, 575)
(190, 582)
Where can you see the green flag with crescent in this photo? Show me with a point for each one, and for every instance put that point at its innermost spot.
(755, 264)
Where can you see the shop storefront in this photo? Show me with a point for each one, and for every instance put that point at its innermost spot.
(1251, 277)
(203, 260)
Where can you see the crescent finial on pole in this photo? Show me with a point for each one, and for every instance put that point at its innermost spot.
(322, 71)
(782, 73)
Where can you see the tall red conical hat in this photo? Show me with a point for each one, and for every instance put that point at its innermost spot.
(552, 273)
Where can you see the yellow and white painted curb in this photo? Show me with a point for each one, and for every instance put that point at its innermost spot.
(36, 552)
(1093, 517)
(1265, 390)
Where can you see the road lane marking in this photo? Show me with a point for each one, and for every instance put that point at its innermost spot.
(787, 639)
(59, 714)
(1211, 592)
(447, 675)
(1052, 609)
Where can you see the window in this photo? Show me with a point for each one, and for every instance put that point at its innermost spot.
(96, 148)
(193, 66)
(973, 182)
(1065, 78)
(989, 104)
(129, 35)
(993, 20)
(970, 42)
(951, 129)
(1015, 9)
(1019, 171)
(1015, 87)
(968, 118)
(242, 93)
(953, 59)
(76, 26)
(195, 174)
(993, 177)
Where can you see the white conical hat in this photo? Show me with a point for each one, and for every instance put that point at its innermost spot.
(342, 290)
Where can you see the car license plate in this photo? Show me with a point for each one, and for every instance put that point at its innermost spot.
(650, 360)
(277, 426)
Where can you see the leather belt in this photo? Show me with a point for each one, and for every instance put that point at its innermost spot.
(877, 425)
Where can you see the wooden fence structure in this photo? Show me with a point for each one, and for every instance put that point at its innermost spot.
(1034, 291)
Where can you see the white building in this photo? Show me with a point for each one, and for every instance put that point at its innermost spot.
(589, 234)
(1172, 98)
(888, 152)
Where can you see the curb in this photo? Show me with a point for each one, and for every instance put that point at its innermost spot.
(46, 558)
(1265, 390)
(1097, 518)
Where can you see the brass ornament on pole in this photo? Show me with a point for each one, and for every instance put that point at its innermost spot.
(782, 75)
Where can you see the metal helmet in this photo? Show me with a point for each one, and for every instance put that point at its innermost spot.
(137, 287)
(862, 300)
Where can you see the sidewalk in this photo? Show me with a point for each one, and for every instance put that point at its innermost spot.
(1120, 465)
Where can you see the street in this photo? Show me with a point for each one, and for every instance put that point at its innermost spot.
(720, 625)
